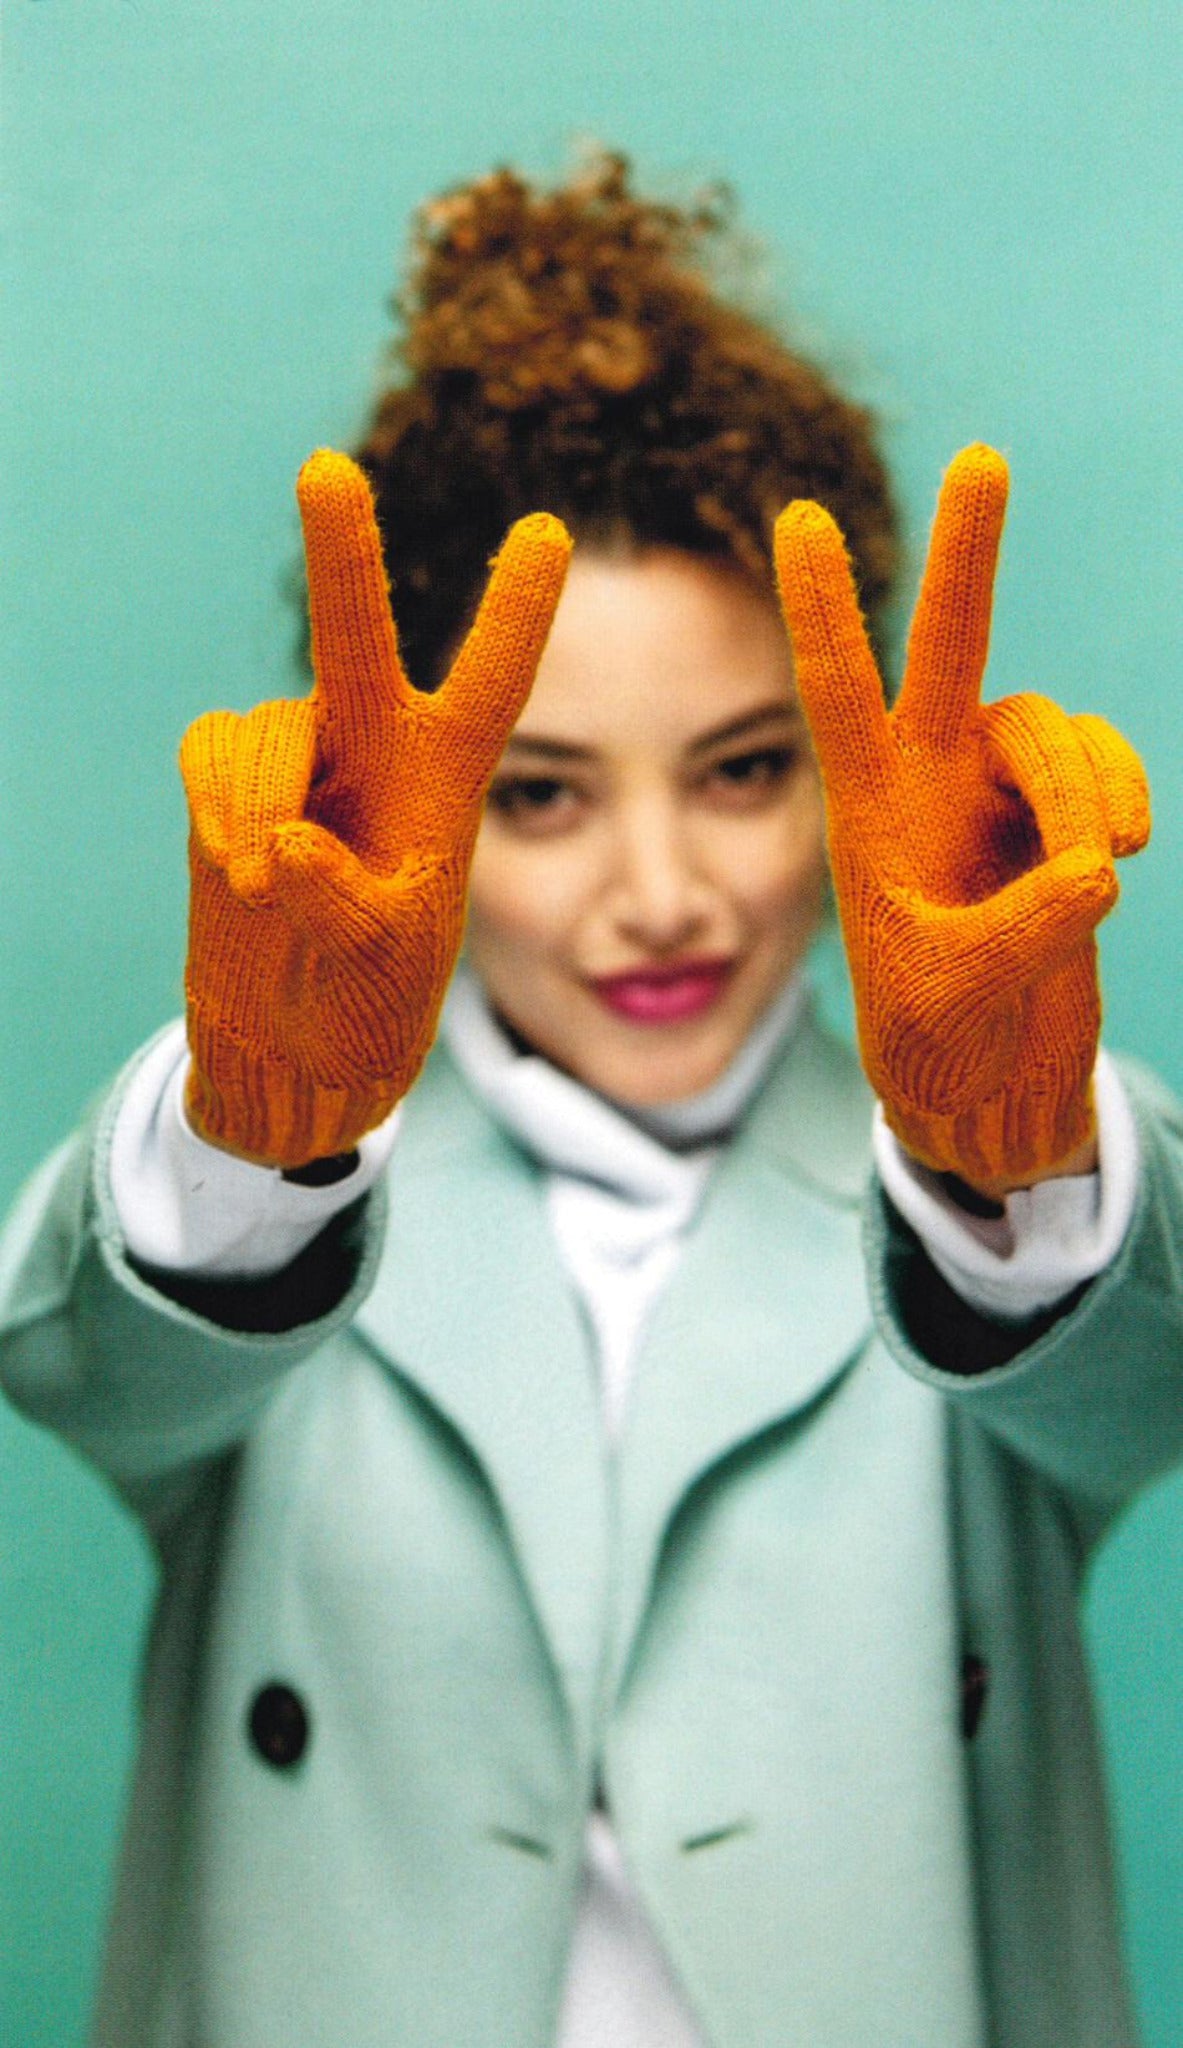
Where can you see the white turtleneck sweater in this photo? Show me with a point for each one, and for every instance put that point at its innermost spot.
(622, 1189)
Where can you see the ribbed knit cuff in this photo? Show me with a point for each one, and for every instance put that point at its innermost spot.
(1014, 1138)
(260, 1108)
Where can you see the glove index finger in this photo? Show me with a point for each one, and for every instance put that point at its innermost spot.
(837, 675)
(949, 638)
(354, 643)
(490, 679)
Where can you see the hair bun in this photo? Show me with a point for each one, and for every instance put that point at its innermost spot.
(541, 295)
(583, 350)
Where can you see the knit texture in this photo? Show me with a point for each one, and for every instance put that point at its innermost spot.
(972, 850)
(331, 840)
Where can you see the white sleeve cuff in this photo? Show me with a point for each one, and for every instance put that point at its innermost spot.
(188, 1207)
(1051, 1238)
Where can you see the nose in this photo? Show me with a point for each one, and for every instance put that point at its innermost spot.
(661, 898)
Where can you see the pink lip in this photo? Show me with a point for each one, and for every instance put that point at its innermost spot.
(665, 995)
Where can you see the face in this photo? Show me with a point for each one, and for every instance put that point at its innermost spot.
(650, 867)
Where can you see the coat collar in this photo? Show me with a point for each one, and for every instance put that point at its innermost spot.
(766, 1307)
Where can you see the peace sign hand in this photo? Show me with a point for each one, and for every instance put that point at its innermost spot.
(972, 850)
(331, 841)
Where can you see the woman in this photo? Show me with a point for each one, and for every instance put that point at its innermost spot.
(608, 1594)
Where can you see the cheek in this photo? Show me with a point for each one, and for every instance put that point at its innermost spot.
(523, 900)
(782, 880)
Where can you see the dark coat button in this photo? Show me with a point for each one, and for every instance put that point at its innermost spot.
(278, 1724)
(975, 1681)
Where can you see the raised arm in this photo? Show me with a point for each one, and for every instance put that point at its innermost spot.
(331, 838)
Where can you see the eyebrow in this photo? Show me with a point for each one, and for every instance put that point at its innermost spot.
(734, 729)
(779, 713)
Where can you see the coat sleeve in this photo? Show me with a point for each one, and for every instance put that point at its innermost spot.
(147, 1378)
(1090, 1394)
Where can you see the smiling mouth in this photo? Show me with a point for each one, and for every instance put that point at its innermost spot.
(665, 995)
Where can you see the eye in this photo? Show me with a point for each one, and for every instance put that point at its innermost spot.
(752, 774)
(533, 802)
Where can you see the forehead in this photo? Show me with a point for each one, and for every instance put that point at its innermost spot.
(655, 648)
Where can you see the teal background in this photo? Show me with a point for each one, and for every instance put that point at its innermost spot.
(973, 208)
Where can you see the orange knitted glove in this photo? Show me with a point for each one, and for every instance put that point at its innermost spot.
(971, 846)
(331, 840)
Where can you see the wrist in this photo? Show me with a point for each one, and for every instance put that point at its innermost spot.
(1083, 1159)
(256, 1107)
(1004, 1145)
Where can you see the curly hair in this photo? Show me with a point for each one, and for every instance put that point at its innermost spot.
(570, 350)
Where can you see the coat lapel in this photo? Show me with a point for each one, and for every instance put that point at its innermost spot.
(766, 1308)
(471, 1306)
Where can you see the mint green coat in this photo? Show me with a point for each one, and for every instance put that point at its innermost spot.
(749, 1626)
